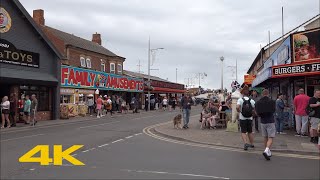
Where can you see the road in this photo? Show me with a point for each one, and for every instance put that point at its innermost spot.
(117, 148)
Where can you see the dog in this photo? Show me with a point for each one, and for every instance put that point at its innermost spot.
(177, 121)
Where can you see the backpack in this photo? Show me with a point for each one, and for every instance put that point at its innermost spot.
(247, 109)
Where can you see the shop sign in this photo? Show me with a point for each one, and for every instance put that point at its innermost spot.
(66, 91)
(296, 69)
(167, 85)
(306, 46)
(85, 91)
(84, 78)
(248, 79)
(11, 55)
(266, 74)
(5, 20)
(313, 82)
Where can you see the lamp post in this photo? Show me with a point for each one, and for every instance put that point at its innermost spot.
(221, 59)
(149, 59)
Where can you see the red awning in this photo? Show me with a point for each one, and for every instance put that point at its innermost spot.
(167, 90)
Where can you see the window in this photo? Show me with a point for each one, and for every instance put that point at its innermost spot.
(103, 67)
(88, 63)
(119, 68)
(112, 68)
(42, 94)
(82, 62)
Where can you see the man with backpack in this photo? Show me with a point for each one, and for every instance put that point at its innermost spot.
(265, 109)
(245, 107)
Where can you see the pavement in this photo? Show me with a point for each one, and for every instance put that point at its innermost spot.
(119, 148)
(220, 137)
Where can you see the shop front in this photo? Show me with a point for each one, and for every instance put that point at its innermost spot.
(29, 64)
(78, 83)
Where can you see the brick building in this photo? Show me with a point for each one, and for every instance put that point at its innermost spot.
(88, 66)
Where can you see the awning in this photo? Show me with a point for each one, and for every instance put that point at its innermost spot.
(167, 90)
(263, 76)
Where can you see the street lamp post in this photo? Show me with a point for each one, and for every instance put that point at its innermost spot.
(222, 58)
(149, 62)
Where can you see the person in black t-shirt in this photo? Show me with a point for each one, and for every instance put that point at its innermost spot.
(314, 103)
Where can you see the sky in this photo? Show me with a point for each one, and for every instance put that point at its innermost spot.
(193, 33)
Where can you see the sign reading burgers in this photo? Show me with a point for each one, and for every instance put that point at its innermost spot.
(296, 70)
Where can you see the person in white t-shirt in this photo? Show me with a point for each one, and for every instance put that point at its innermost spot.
(165, 103)
(5, 109)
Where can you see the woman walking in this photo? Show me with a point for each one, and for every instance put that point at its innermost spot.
(5, 108)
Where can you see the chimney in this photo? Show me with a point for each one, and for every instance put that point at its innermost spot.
(96, 38)
(38, 16)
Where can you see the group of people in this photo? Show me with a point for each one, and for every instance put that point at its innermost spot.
(210, 113)
(105, 104)
(270, 113)
(25, 107)
(163, 103)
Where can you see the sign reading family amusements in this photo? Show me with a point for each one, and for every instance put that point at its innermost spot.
(84, 78)
(11, 55)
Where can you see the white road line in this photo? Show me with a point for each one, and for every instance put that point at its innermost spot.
(103, 145)
(21, 137)
(99, 124)
(138, 134)
(32, 169)
(88, 150)
(129, 137)
(117, 141)
(179, 174)
(74, 155)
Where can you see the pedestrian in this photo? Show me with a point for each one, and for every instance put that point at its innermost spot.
(108, 105)
(156, 103)
(99, 106)
(279, 115)
(20, 106)
(314, 103)
(186, 103)
(174, 103)
(223, 107)
(256, 98)
(34, 106)
(245, 106)
(165, 103)
(146, 103)
(134, 103)
(90, 104)
(265, 109)
(27, 109)
(301, 102)
(13, 110)
(5, 109)
(152, 103)
(117, 103)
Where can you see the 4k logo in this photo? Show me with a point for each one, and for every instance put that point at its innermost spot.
(58, 155)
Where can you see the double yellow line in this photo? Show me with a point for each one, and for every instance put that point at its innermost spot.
(148, 132)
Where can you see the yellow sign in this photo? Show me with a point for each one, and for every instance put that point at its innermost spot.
(248, 79)
(58, 155)
(5, 21)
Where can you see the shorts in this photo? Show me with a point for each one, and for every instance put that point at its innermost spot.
(5, 111)
(314, 123)
(246, 126)
(27, 113)
(165, 106)
(268, 130)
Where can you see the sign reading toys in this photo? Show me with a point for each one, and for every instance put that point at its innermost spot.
(9, 54)
(306, 45)
(296, 70)
(83, 78)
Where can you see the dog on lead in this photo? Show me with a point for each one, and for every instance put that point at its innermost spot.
(177, 121)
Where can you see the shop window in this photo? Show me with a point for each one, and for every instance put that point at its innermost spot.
(82, 62)
(103, 67)
(119, 68)
(112, 68)
(42, 94)
(88, 63)
(65, 99)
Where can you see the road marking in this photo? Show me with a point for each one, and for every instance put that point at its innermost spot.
(74, 155)
(179, 174)
(119, 140)
(138, 134)
(129, 137)
(103, 145)
(21, 137)
(32, 169)
(99, 124)
(148, 132)
(88, 150)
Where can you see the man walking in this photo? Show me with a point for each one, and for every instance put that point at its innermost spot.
(301, 102)
(245, 106)
(265, 108)
(279, 114)
(186, 103)
(315, 119)
(34, 108)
